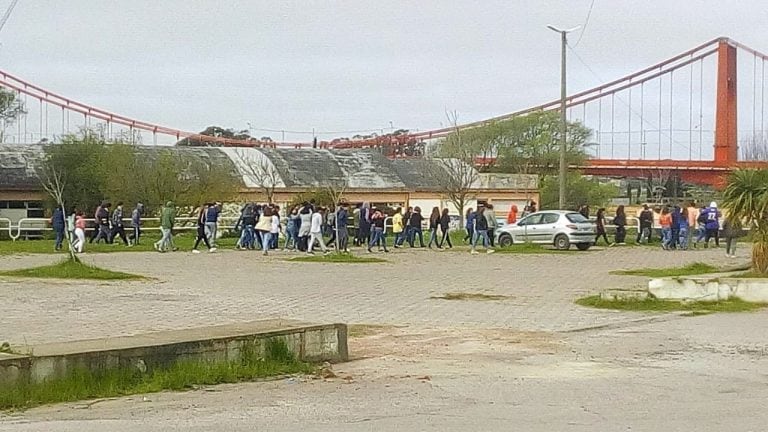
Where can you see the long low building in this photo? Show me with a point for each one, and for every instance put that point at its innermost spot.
(365, 175)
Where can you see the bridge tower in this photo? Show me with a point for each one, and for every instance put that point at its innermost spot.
(726, 132)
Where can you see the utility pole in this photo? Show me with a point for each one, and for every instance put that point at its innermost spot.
(563, 172)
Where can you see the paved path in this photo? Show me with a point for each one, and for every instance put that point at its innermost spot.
(209, 289)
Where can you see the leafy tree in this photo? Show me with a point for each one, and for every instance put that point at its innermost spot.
(217, 131)
(527, 144)
(746, 198)
(11, 108)
(580, 190)
(96, 171)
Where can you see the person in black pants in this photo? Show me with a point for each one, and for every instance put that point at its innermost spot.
(600, 225)
(621, 222)
(646, 225)
(445, 222)
(414, 227)
(201, 235)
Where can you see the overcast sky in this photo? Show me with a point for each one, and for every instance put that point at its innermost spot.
(344, 65)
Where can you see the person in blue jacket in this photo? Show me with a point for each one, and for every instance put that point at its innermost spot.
(58, 225)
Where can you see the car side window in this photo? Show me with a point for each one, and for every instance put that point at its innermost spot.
(549, 218)
(530, 220)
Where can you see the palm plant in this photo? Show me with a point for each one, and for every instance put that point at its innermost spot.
(746, 198)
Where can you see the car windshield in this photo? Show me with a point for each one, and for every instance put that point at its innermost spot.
(576, 218)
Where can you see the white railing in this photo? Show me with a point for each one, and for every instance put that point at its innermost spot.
(26, 225)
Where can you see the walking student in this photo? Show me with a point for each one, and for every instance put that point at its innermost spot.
(117, 224)
(732, 230)
(620, 220)
(202, 235)
(646, 225)
(414, 227)
(434, 222)
(102, 223)
(316, 232)
(481, 231)
(683, 229)
(136, 214)
(342, 219)
(712, 224)
(377, 234)
(305, 221)
(600, 226)
(445, 225)
(167, 220)
(665, 220)
(59, 225)
(490, 216)
(212, 222)
(397, 228)
(264, 229)
(469, 224)
(79, 243)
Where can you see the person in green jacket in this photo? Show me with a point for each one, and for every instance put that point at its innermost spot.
(167, 219)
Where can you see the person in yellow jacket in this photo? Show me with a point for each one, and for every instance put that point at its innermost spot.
(397, 227)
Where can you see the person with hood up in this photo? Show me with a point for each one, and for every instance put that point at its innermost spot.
(117, 224)
(167, 220)
(58, 225)
(136, 214)
(512, 215)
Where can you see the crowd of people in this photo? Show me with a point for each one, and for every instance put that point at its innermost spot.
(306, 226)
(682, 226)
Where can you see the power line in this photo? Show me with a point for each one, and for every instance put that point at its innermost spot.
(586, 23)
(7, 14)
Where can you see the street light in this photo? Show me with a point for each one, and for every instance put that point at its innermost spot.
(563, 120)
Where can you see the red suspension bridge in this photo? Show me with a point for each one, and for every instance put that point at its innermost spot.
(685, 115)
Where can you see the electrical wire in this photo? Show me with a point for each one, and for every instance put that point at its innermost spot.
(7, 14)
(586, 23)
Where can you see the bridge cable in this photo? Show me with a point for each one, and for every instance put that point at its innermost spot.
(624, 102)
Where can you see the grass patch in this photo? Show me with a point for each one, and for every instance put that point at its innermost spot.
(184, 241)
(750, 275)
(82, 384)
(69, 269)
(656, 305)
(470, 296)
(691, 269)
(337, 258)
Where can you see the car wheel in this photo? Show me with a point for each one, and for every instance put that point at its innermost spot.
(562, 242)
(583, 246)
(505, 240)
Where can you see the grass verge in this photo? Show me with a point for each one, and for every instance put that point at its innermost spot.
(655, 305)
(337, 258)
(82, 384)
(470, 296)
(69, 269)
(691, 269)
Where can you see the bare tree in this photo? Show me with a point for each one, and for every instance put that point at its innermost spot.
(454, 170)
(54, 183)
(657, 182)
(755, 148)
(335, 189)
(262, 171)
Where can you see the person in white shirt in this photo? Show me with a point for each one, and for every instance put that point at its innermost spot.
(316, 231)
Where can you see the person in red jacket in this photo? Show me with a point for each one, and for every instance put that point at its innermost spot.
(512, 215)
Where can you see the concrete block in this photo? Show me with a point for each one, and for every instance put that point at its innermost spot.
(709, 289)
